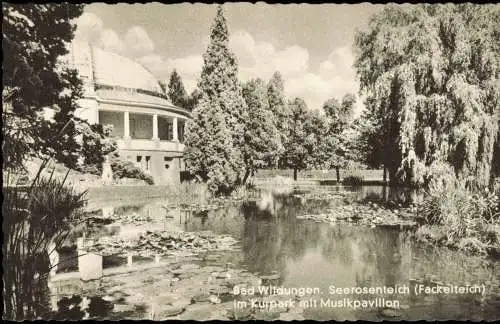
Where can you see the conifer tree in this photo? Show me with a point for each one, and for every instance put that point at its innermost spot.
(215, 136)
(176, 91)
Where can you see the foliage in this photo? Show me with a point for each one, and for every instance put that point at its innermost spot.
(337, 140)
(430, 73)
(35, 36)
(280, 109)
(262, 141)
(352, 180)
(214, 137)
(298, 143)
(127, 169)
(96, 143)
(369, 143)
(34, 221)
(193, 99)
(176, 91)
(466, 214)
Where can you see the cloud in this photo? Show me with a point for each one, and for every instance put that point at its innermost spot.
(334, 77)
(262, 59)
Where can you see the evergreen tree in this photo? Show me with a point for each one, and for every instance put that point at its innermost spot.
(193, 99)
(176, 91)
(215, 154)
(262, 139)
(431, 76)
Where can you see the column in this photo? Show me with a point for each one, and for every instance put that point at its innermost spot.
(155, 126)
(175, 133)
(126, 125)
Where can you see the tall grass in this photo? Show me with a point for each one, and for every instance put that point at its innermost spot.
(469, 216)
(35, 219)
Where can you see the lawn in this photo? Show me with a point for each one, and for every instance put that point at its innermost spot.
(367, 175)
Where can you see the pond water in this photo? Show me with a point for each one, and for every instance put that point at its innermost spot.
(308, 254)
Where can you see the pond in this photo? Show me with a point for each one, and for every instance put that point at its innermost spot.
(301, 254)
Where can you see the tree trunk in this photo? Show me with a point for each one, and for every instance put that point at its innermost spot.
(337, 171)
(295, 174)
(247, 174)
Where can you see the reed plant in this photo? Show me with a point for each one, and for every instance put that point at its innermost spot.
(469, 216)
(36, 219)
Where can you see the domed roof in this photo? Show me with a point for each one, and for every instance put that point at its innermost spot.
(106, 68)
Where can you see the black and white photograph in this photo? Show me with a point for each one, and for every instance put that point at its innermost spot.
(251, 161)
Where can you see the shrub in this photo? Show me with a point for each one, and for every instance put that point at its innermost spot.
(353, 180)
(127, 169)
(466, 214)
(90, 169)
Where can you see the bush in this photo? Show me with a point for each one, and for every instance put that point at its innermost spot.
(90, 169)
(353, 180)
(466, 214)
(126, 169)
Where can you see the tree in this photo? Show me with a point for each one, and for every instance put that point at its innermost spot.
(430, 73)
(370, 145)
(209, 155)
(214, 155)
(34, 37)
(337, 142)
(176, 91)
(96, 143)
(279, 107)
(193, 99)
(262, 143)
(298, 142)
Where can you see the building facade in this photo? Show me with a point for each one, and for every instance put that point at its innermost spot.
(148, 129)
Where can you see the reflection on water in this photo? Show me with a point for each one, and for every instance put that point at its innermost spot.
(308, 254)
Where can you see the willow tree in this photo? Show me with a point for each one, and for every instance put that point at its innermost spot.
(215, 136)
(430, 74)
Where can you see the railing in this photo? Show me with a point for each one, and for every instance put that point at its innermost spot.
(99, 86)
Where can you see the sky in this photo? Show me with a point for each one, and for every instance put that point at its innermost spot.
(311, 45)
